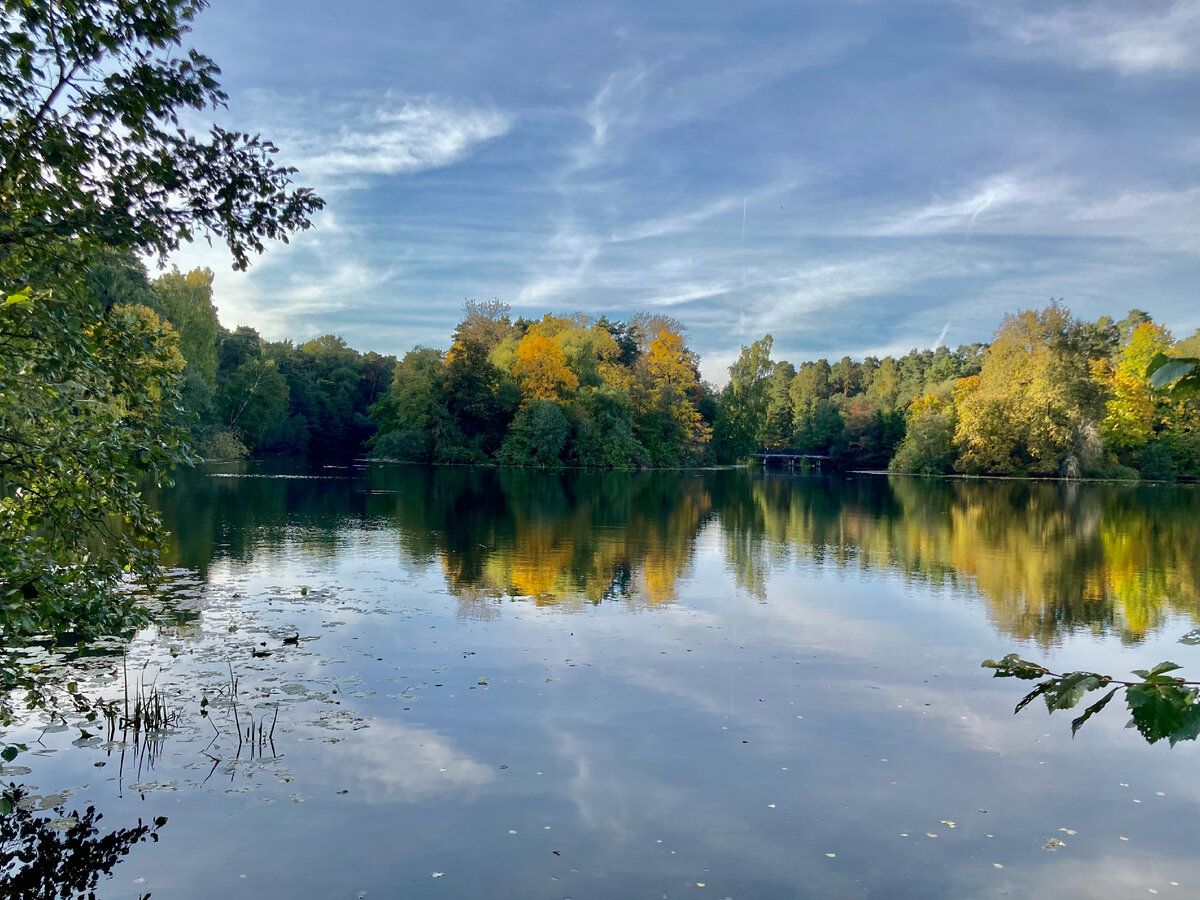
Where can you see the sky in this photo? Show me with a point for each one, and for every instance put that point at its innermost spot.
(853, 178)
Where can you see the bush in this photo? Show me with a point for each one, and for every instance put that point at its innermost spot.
(536, 436)
(410, 444)
(928, 444)
(224, 446)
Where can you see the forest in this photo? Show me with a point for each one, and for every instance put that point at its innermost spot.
(1050, 395)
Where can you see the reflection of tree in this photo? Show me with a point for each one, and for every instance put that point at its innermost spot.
(1045, 558)
(575, 538)
(52, 859)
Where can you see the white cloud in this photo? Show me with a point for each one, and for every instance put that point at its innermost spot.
(999, 194)
(614, 102)
(399, 138)
(1132, 38)
(1016, 203)
(678, 222)
(687, 292)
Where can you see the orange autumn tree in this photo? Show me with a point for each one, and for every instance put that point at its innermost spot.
(672, 428)
(541, 368)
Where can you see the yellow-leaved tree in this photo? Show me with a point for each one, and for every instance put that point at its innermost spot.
(541, 368)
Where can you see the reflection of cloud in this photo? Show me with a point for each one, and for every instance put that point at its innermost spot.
(618, 814)
(1093, 878)
(403, 764)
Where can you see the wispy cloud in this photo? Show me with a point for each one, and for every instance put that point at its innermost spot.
(400, 137)
(999, 194)
(1132, 38)
(616, 100)
(1163, 219)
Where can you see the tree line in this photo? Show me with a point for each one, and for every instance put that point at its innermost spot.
(1050, 395)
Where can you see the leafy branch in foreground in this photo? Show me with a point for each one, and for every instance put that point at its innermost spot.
(1161, 705)
(93, 163)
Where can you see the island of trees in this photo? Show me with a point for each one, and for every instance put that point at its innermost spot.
(1049, 396)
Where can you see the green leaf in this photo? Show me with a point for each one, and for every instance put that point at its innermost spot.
(1092, 710)
(1032, 695)
(20, 298)
(1012, 666)
(1067, 691)
(1164, 711)
(9, 753)
(1163, 370)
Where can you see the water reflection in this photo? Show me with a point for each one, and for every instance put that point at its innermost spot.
(1045, 558)
(46, 852)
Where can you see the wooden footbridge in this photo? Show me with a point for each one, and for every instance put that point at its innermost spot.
(777, 457)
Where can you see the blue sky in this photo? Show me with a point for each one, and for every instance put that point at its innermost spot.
(852, 177)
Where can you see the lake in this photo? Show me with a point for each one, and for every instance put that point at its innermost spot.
(392, 681)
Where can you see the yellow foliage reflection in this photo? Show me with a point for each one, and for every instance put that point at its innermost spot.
(1044, 558)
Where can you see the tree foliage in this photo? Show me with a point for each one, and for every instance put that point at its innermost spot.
(1160, 705)
(94, 167)
(1036, 407)
(91, 149)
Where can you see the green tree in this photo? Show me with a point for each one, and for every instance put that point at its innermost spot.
(90, 145)
(779, 422)
(185, 300)
(255, 398)
(536, 437)
(928, 444)
(1035, 406)
(742, 411)
(603, 432)
(92, 159)
(413, 414)
(479, 405)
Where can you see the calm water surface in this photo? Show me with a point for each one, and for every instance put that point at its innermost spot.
(722, 684)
